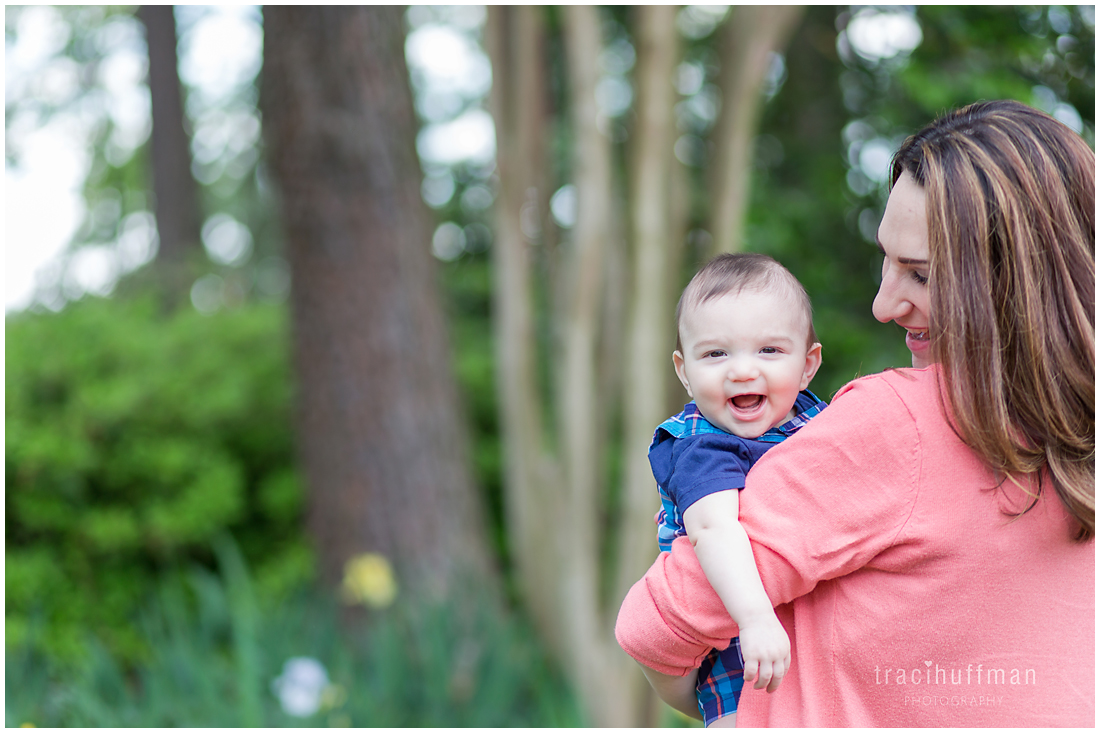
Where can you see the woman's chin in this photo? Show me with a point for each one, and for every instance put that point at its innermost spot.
(920, 361)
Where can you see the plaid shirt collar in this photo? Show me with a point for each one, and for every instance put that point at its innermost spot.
(692, 422)
(806, 406)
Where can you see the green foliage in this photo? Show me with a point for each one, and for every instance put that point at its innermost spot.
(213, 660)
(132, 439)
(973, 52)
(814, 207)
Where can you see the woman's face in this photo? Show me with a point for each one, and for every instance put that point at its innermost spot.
(903, 295)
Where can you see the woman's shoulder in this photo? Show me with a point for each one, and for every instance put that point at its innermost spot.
(896, 406)
(917, 389)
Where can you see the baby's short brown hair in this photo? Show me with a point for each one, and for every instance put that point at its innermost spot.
(732, 273)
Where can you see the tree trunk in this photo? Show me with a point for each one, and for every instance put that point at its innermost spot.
(596, 665)
(751, 35)
(556, 488)
(380, 434)
(174, 191)
(515, 41)
(652, 306)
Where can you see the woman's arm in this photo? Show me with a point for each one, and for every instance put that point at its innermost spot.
(671, 618)
(820, 505)
(677, 692)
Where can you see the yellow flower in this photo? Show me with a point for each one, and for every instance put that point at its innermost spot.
(28, 725)
(369, 580)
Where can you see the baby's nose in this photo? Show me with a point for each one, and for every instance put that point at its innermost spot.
(742, 368)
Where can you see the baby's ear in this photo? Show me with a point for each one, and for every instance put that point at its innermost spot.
(678, 362)
(813, 363)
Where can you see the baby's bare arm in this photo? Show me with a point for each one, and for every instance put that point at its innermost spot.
(726, 557)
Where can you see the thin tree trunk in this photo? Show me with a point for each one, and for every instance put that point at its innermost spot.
(514, 39)
(555, 488)
(651, 312)
(589, 659)
(680, 222)
(380, 433)
(174, 191)
(751, 35)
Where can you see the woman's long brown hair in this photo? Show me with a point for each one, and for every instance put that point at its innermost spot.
(1011, 226)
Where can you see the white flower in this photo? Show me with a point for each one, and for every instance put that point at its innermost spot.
(301, 685)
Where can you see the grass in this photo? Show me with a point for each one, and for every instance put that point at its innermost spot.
(216, 652)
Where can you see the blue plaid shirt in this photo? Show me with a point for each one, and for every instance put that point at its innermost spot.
(692, 458)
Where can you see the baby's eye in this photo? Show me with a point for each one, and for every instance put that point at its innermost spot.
(769, 350)
(714, 354)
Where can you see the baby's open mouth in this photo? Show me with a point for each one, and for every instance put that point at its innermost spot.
(747, 401)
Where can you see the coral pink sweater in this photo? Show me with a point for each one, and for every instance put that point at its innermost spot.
(910, 598)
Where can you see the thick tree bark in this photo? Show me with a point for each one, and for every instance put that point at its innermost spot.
(174, 191)
(751, 34)
(380, 434)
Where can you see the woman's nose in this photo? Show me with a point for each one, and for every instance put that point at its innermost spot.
(889, 302)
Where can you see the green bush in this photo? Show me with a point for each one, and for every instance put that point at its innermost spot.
(133, 438)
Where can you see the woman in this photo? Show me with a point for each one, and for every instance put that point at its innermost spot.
(927, 539)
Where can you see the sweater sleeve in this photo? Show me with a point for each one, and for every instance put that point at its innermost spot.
(818, 506)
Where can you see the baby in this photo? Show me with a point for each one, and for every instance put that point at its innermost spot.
(746, 351)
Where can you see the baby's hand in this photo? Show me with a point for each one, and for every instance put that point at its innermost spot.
(767, 652)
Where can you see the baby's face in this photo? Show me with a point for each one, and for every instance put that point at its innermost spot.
(745, 359)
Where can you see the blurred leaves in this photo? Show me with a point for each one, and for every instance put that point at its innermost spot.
(1040, 55)
(77, 81)
(214, 661)
(133, 439)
